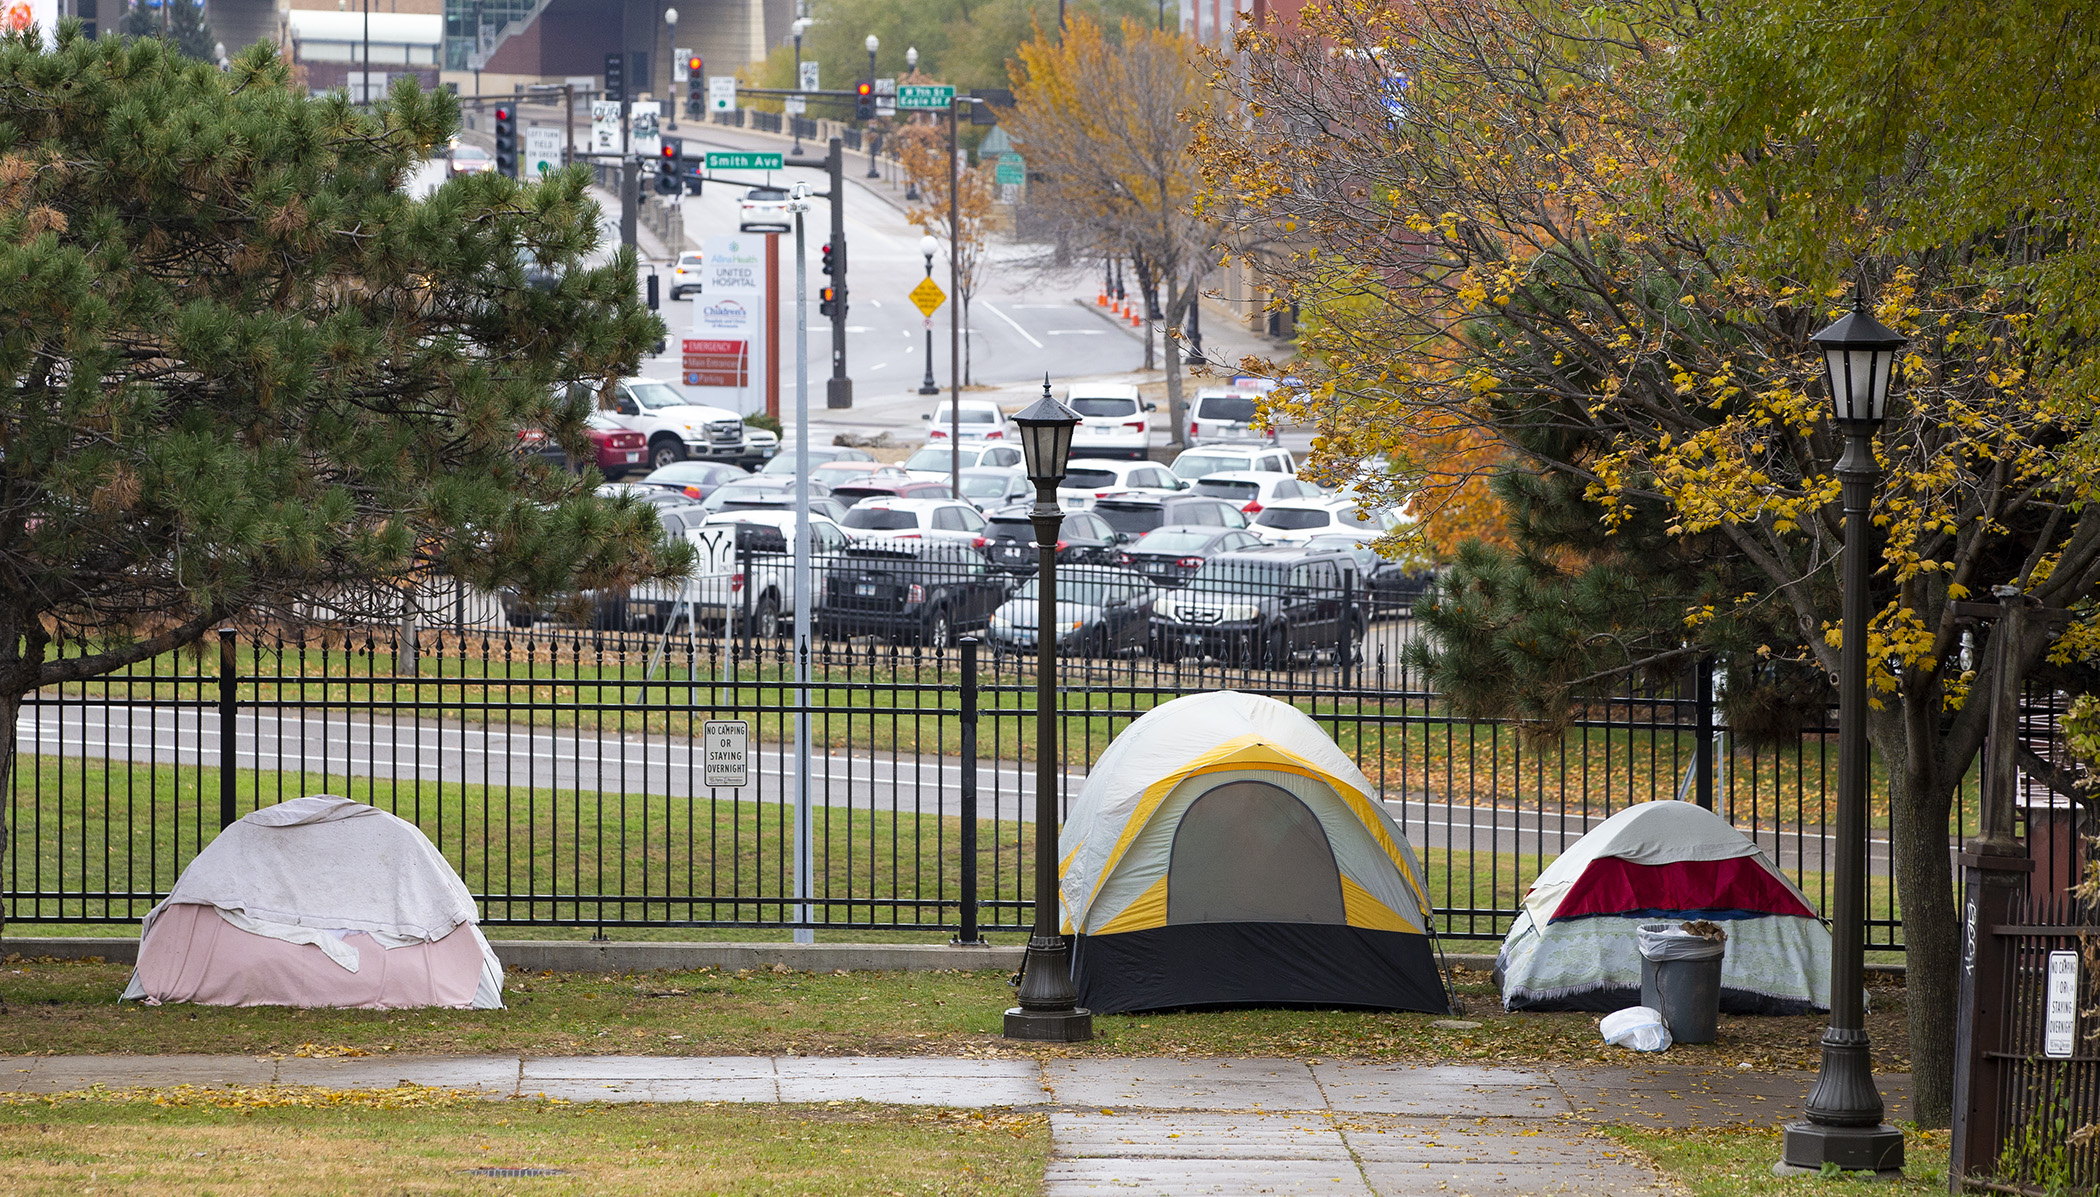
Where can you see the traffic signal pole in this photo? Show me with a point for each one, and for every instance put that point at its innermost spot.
(838, 390)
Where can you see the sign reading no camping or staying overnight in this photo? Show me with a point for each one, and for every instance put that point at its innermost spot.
(725, 753)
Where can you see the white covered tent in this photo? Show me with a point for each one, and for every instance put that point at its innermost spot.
(1574, 946)
(318, 901)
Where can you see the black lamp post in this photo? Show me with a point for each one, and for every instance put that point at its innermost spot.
(874, 43)
(1049, 1010)
(1844, 1126)
(928, 246)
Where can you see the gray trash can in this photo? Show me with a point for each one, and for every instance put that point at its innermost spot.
(1681, 977)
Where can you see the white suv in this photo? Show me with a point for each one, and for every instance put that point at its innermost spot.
(951, 520)
(1112, 421)
(1295, 521)
(980, 420)
(1202, 463)
(1254, 490)
(685, 275)
(1227, 417)
(678, 429)
(1090, 478)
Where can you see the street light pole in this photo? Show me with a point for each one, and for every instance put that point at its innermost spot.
(873, 44)
(911, 182)
(1844, 1126)
(927, 386)
(1049, 1011)
(795, 118)
(671, 43)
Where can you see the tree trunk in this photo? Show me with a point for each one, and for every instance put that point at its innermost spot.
(1921, 797)
(966, 338)
(1177, 402)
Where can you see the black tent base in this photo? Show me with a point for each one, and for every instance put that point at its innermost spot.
(1199, 965)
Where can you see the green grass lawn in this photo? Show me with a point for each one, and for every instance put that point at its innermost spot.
(71, 1006)
(1738, 1162)
(246, 1144)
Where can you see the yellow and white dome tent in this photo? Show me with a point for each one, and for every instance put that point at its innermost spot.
(1224, 851)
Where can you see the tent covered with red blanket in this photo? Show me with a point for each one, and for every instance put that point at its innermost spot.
(1574, 947)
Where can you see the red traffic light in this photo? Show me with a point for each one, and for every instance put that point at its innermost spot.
(693, 64)
(670, 150)
(502, 114)
(866, 88)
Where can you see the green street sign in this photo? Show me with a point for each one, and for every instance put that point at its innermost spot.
(742, 161)
(924, 95)
(1012, 168)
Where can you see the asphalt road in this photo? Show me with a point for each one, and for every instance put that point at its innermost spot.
(320, 744)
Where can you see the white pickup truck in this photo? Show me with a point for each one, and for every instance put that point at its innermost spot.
(678, 429)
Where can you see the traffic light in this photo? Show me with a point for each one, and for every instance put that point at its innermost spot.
(864, 100)
(827, 260)
(825, 299)
(667, 180)
(507, 140)
(695, 86)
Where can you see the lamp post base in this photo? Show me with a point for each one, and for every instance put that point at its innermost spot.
(1810, 1145)
(1050, 1026)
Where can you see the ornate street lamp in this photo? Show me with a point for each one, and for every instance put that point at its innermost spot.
(911, 183)
(1844, 1125)
(874, 43)
(927, 386)
(671, 40)
(1049, 1010)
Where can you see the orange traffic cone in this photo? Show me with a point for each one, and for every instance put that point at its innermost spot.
(1101, 300)
(1134, 321)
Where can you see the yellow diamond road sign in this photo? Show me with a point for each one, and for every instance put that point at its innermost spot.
(928, 296)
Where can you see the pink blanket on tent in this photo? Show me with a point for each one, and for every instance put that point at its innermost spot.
(193, 955)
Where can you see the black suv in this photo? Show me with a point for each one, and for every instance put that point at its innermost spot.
(1136, 514)
(915, 591)
(1257, 608)
(1082, 539)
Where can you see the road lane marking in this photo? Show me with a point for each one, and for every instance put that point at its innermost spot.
(1077, 332)
(1010, 320)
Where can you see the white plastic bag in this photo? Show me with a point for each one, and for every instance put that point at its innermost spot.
(1637, 1027)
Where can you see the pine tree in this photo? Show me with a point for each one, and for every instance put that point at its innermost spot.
(245, 372)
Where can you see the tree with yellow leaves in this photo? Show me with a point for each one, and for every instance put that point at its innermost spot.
(967, 236)
(1101, 122)
(1495, 232)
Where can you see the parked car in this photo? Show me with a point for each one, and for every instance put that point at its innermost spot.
(1087, 479)
(764, 556)
(1101, 611)
(889, 486)
(761, 491)
(1113, 421)
(760, 446)
(1257, 608)
(932, 462)
(1193, 464)
(924, 592)
(1227, 417)
(1254, 489)
(783, 461)
(951, 521)
(650, 607)
(1133, 515)
(992, 489)
(677, 428)
(654, 496)
(534, 442)
(619, 450)
(1295, 521)
(974, 420)
(765, 210)
(1171, 555)
(1081, 538)
(685, 273)
(464, 159)
(839, 473)
(1393, 586)
(695, 479)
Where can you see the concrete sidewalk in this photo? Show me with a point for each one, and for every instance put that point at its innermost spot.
(1141, 1125)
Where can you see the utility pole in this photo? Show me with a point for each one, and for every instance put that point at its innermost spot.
(630, 183)
(805, 856)
(838, 391)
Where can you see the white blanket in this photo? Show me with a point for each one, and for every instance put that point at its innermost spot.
(311, 869)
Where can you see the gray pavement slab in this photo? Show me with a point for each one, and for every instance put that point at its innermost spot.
(622, 1089)
(498, 1074)
(57, 1074)
(1241, 1084)
(1182, 1178)
(934, 1082)
(675, 1068)
(1194, 1134)
(1440, 1090)
(1668, 1096)
(1384, 1138)
(1509, 1180)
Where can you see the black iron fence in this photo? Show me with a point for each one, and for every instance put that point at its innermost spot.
(551, 754)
